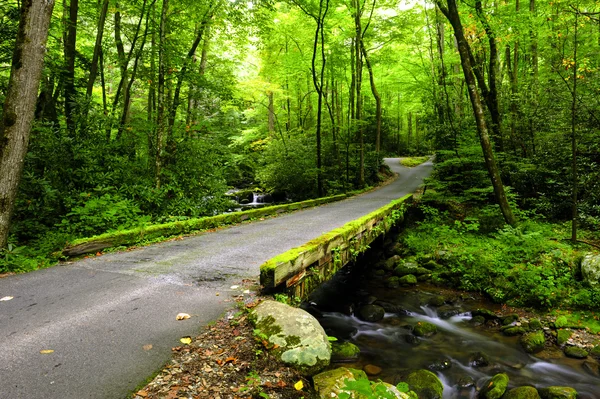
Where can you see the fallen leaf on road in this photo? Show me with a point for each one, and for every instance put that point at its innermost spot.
(147, 347)
(143, 394)
(46, 351)
(183, 316)
(186, 340)
(6, 298)
(299, 385)
(234, 287)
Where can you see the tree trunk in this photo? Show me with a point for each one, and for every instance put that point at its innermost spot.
(358, 69)
(161, 117)
(409, 133)
(375, 95)
(69, 73)
(97, 49)
(271, 111)
(451, 12)
(19, 104)
(573, 135)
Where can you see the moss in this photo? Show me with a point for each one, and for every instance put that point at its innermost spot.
(535, 324)
(495, 387)
(425, 329)
(344, 351)
(165, 230)
(426, 384)
(522, 393)
(408, 280)
(533, 342)
(576, 352)
(346, 232)
(562, 336)
(512, 331)
(558, 393)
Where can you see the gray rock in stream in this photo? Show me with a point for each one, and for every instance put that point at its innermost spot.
(371, 313)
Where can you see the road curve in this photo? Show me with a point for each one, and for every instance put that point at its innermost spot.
(100, 315)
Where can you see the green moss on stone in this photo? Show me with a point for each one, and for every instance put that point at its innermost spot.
(344, 351)
(576, 352)
(533, 342)
(562, 336)
(535, 324)
(558, 393)
(425, 329)
(495, 387)
(513, 331)
(426, 384)
(522, 393)
(409, 279)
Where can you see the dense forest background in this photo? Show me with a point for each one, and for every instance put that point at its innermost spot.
(152, 110)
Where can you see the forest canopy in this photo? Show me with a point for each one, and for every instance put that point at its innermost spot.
(151, 111)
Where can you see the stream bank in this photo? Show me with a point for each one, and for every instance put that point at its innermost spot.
(401, 324)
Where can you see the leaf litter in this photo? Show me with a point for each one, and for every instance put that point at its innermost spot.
(226, 361)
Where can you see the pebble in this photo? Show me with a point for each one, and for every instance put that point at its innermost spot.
(371, 369)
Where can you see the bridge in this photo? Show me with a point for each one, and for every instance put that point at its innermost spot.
(111, 320)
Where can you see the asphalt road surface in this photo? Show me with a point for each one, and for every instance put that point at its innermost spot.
(100, 315)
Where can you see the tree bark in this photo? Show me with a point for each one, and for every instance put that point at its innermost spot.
(451, 12)
(19, 104)
(69, 73)
(376, 95)
(162, 71)
(97, 49)
(574, 189)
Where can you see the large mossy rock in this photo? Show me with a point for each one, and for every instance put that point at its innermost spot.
(331, 383)
(409, 279)
(297, 337)
(426, 384)
(495, 387)
(533, 342)
(522, 393)
(562, 336)
(558, 393)
(590, 269)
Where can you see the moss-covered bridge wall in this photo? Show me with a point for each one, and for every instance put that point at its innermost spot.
(300, 270)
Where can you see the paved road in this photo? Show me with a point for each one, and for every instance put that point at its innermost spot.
(100, 314)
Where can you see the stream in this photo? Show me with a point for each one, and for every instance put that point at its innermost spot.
(453, 353)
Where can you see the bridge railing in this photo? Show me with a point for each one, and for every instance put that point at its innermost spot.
(300, 270)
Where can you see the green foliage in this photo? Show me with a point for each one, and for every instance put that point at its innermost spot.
(413, 161)
(523, 266)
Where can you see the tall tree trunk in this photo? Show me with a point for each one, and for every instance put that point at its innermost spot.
(376, 95)
(97, 49)
(69, 73)
(19, 104)
(574, 189)
(161, 114)
(358, 69)
(451, 12)
(271, 112)
(409, 133)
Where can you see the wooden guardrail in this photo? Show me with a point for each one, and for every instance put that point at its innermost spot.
(300, 270)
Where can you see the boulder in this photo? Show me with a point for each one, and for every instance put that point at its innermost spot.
(426, 384)
(391, 263)
(424, 329)
(371, 313)
(522, 393)
(331, 383)
(479, 359)
(487, 314)
(576, 352)
(535, 324)
(595, 352)
(558, 393)
(410, 268)
(509, 319)
(393, 282)
(562, 336)
(344, 352)
(533, 342)
(371, 369)
(495, 387)
(297, 337)
(512, 331)
(409, 279)
(590, 269)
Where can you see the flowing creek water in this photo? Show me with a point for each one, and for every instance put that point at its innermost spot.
(391, 345)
